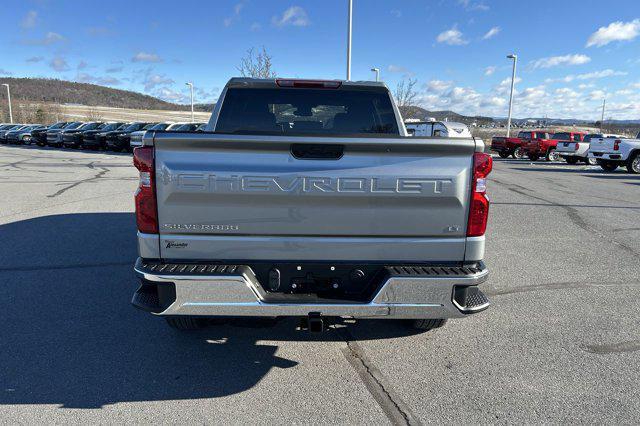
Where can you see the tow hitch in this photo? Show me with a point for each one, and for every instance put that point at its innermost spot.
(314, 323)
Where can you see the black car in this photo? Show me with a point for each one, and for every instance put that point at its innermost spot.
(54, 136)
(96, 139)
(72, 138)
(119, 140)
(39, 136)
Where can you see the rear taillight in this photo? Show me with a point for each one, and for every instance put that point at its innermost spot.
(577, 147)
(310, 84)
(146, 206)
(479, 208)
(616, 145)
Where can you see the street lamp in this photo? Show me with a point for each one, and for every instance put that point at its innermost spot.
(9, 99)
(191, 87)
(377, 71)
(513, 82)
(349, 40)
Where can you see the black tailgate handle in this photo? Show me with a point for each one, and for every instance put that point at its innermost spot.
(309, 151)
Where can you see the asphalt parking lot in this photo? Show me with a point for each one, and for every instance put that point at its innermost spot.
(561, 342)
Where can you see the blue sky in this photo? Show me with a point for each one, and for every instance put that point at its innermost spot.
(571, 53)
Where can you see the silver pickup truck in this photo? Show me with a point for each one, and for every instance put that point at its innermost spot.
(308, 199)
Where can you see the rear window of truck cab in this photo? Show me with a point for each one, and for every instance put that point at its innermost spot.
(563, 136)
(307, 111)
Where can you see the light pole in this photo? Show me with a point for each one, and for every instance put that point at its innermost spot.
(513, 83)
(191, 87)
(349, 40)
(377, 71)
(604, 102)
(9, 99)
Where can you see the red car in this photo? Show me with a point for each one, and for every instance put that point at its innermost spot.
(541, 145)
(505, 146)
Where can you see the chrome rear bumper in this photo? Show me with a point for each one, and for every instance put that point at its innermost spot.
(239, 294)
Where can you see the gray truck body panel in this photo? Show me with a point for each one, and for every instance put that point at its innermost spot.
(224, 197)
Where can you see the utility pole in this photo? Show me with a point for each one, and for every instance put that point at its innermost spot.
(191, 86)
(377, 71)
(349, 25)
(604, 102)
(513, 83)
(9, 99)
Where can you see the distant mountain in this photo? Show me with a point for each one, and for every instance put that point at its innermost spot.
(68, 92)
(423, 114)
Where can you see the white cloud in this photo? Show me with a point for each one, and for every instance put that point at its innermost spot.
(59, 64)
(82, 65)
(472, 6)
(597, 95)
(236, 15)
(114, 69)
(397, 13)
(295, 16)
(5, 72)
(146, 57)
(34, 59)
(48, 39)
(171, 95)
(255, 27)
(438, 86)
(554, 61)
(600, 74)
(504, 87)
(615, 31)
(635, 85)
(153, 80)
(490, 70)
(491, 33)
(624, 92)
(30, 20)
(451, 37)
(103, 81)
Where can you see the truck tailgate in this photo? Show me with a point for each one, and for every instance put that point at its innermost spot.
(230, 197)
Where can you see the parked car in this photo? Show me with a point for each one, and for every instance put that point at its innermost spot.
(540, 144)
(72, 138)
(438, 129)
(54, 136)
(136, 137)
(119, 140)
(98, 139)
(10, 128)
(575, 150)
(39, 136)
(187, 127)
(217, 236)
(513, 146)
(613, 152)
(90, 138)
(23, 135)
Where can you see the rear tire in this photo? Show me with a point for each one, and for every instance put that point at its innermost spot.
(185, 323)
(633, 165)
(517, 153)
(534, 157)
(428, 324)
(552, 155)
(608, 166)
(571, 160)
(503, 154)
(590, 161)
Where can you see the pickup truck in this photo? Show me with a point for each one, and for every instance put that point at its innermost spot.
(574, 146)
(308, 199)
(508, 146)
(612, 152)
(543, 145)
